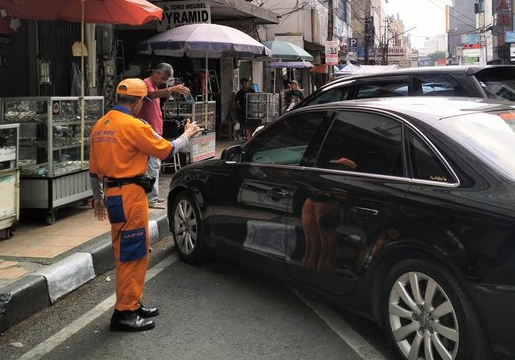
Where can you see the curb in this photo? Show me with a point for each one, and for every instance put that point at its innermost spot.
(37, 291)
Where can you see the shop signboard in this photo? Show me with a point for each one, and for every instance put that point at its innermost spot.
(441, 62)
(177, 13)
(470, 39)
(245, 25)
(472, 53)
(202, 147)
(396, 51)
(509, 37)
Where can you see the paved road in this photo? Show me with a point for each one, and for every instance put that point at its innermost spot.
(215, 311)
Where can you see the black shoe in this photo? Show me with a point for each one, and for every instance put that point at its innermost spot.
(130, 321)
(147, 312)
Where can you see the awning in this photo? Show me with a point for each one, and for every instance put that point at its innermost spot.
(290, 64)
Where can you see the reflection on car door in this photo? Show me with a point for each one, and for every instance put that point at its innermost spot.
(250, 215)
(345, 205)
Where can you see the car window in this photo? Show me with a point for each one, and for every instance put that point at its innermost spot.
(425, 164)
(490, 136)
(285, 141)
(498, 82)
(437, 85)
(331, 95)
(382, 90)
(363, 142)
(335, 92)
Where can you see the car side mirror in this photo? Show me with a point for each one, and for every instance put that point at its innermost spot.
(232, 154)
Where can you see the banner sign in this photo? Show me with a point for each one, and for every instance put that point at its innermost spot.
(179, 13)
(202, 147)
(331, 52)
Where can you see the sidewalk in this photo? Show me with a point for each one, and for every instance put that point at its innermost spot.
(42, 263)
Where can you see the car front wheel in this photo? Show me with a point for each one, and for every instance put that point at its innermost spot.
(428, 315)
(187, 230)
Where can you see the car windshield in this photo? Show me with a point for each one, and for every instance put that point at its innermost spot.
(489, 135)
(498, 83)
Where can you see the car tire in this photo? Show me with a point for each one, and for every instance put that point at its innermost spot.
(427, 314)
(187, 229)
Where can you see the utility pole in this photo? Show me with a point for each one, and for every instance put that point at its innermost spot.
(369, 34)
(384, 47)
(369, 30)
(330, 20)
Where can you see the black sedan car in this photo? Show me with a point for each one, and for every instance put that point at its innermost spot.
(400, 209)
(489, 81)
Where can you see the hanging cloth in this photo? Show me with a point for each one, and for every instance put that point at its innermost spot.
(75, 87)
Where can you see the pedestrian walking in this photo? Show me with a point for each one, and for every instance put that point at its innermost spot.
(151, 112)
(120, 145)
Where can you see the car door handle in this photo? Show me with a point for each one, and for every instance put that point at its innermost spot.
(364, 211)
(276, 194)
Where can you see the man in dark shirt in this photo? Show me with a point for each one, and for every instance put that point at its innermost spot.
(293, 96)
(241, 100)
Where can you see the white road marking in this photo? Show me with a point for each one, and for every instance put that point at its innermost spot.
(357, 343)
(52, 342)
(334, 321)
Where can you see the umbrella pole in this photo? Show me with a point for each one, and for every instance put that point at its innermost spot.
(205, 93)
(82, 86)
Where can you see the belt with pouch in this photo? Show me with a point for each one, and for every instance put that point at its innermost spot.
(114, 182)
(145, 181)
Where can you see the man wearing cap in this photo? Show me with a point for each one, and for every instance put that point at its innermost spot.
(293, 96)
(151, 112)
(120, 145)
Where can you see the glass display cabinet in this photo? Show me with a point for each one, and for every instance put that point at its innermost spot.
(9, 179)
(203, 112)
(201, 146)
(53, 148)
(263, 107)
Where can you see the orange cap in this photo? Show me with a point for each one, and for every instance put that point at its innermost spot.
(133, 87)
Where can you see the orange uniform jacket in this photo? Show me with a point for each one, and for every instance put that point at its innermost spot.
(120, 145)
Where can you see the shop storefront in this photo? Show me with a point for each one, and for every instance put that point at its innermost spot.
(37, 62)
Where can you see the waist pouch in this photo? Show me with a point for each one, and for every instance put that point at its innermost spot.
(145, 181)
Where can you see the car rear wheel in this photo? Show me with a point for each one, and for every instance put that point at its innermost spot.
(187, 230)
(428, 315)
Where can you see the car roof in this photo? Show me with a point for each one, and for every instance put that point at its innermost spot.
(422, 108)
(452, 69)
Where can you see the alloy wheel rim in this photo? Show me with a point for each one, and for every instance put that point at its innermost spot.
(422, 318)
(185, 227)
